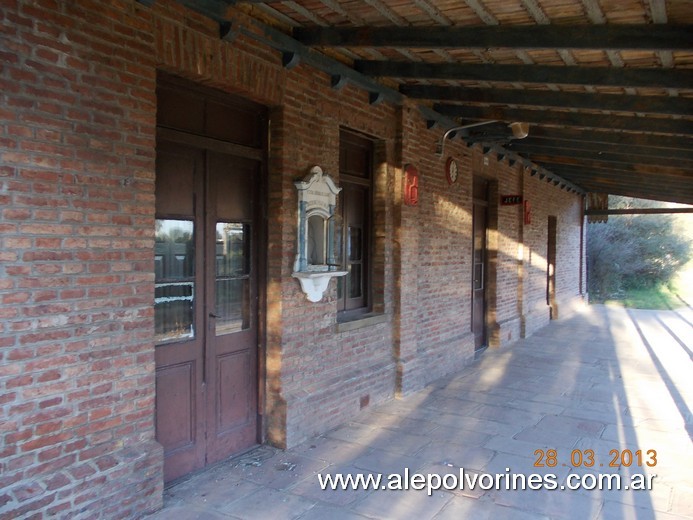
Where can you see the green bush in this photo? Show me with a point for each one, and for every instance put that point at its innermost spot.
(633, 251)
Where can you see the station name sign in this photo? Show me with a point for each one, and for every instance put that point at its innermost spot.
(510, 200)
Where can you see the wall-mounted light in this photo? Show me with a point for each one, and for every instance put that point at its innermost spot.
(454, 130)
(520, 130)
(517, 131)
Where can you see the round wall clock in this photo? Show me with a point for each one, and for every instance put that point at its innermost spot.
(451, 171)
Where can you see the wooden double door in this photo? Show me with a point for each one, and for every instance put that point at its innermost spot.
(479, 261)
(206, 310)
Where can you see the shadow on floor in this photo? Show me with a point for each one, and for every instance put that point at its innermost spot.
(606, 392)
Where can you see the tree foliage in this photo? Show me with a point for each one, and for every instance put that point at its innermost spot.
(634, 251)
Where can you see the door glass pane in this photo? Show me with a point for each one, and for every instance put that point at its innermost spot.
(231, 249)
(232, 277)
(174, 283)
(354, 281)
(354, 244)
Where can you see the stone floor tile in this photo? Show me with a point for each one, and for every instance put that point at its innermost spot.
(221, 494)
(268, 503)
(310, 487)
(403, 505)
(453, 480)
(449, 435)
(477, 424)
(188, 513)
(461, 508)
(561, 431)
(619, 511)
(504, 444)
(459, 455)
(354, 432)
(506, 414)
(658, 499)
(556, 504)
(682, 500)
(403, 424)
(501, 461)
(329, 449)
(453, 405)
(283, 471)
(385, 462)
(399, 442)
(320, 512)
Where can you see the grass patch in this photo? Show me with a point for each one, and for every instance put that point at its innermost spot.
(678, 293)
(660, 298)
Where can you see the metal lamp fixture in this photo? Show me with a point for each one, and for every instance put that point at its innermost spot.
(519, 131)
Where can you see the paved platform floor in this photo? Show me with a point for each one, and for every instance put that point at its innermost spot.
(606, 379)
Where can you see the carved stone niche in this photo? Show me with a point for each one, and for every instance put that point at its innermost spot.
(318, 254)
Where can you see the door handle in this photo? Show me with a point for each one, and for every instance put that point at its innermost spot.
(212, 315)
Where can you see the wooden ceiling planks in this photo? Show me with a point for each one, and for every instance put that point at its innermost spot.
(608, 98)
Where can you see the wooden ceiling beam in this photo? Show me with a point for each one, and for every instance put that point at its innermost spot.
(582, 177)
(548, 98)
(640, 193)
(530, 151)
(668, 142)
(556, 118)
(672, 172)
(568, 75)
(633, 188)
(604, 37)
(533, 144)
(637, 211)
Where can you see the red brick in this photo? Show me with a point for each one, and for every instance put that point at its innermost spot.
(26, 491)
(19, 381)
(57, 481)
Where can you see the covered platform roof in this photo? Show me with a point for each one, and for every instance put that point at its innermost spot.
(606, 86)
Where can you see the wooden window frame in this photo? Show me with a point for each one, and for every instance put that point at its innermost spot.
(349, 308)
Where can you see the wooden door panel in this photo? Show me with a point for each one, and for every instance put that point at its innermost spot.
(234, 373)
(180, 426)
(175, 407)
(232, 300)
(479, 276)
(180, 419)
(175, 184)
(479, 261)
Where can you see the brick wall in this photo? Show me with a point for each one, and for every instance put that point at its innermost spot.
(77, 155)
(77, 188)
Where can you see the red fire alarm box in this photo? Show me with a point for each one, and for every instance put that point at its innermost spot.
(528, 212)
(411, 185)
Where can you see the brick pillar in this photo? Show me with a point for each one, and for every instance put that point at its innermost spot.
(406, 256)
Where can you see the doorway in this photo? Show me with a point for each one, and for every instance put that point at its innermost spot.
(551, 268)
(206, 297)
(479, 261)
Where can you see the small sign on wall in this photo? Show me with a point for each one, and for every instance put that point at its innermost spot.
(528, 212)
(411, 185)
(510, 200)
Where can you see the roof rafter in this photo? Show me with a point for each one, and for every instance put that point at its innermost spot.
(556, 118)
(572, 75)
(548, 98)
(618, 37)
(555, 154)
(668, 142)
(540, 145)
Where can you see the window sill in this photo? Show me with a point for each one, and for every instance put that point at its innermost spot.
(359, 322)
